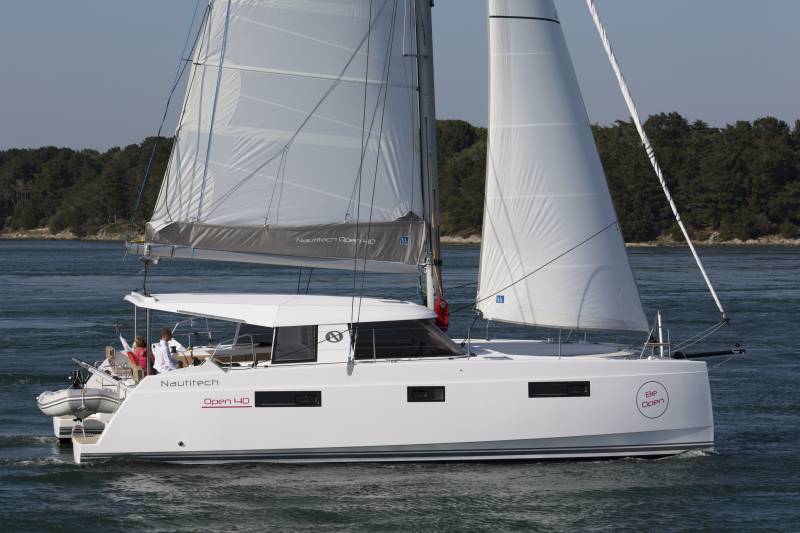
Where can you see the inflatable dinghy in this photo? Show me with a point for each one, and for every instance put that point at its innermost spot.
(79, 403)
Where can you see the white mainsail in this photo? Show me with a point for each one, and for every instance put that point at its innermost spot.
(299, 142)
(552, 253)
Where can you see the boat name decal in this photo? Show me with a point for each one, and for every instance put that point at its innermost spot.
(652, 399)
(226, 403)
(189, 383)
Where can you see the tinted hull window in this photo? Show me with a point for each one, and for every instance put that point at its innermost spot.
(557, 389)
(288, 398)
(425, 394)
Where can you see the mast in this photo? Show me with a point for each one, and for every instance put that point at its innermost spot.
(430, 178)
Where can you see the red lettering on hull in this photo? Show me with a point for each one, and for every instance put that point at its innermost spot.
(226, 403)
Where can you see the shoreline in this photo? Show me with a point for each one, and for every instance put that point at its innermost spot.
(43, 234)
(768, 240)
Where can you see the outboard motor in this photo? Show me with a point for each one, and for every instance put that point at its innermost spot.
(77, 379)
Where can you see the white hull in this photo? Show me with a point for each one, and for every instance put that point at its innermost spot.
(205, 414)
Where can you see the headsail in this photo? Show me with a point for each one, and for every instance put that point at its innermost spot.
(299, 140)
(552, 253)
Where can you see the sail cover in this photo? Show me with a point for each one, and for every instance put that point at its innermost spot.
(299, 140)
(552, 253)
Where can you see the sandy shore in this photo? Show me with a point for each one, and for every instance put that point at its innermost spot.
(111, 235)
(43, 234)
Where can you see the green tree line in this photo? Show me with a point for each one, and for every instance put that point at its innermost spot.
(742, 180)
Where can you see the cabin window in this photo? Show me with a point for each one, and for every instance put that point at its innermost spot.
(407, 338)
(296, 344)
(261, 336)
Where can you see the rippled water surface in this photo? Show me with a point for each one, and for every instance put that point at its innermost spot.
(60, 300)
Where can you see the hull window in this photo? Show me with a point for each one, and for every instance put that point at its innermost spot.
(426, 394)
(280, 398)
(557, 389)
(295, 345)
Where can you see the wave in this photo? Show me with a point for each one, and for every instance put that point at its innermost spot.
(39, 461)
(13, 441)
(692, 454)
(32, 379)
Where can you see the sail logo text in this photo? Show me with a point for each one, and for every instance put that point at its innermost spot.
(331, 240)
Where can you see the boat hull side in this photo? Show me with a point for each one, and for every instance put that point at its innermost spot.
(633, 408)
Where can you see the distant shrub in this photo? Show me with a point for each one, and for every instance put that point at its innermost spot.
(788, 230)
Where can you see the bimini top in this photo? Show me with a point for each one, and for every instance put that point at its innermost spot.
(281, 310)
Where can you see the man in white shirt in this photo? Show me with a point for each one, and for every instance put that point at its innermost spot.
(164, 360)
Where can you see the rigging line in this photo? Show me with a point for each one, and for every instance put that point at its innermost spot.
(278, 177)
(199, 41)
(732, 356)
(356, 182)
(361, 165)
(529, 274)
(305, 121)
(194, 173)
(648, 147)
(178, 75)
(700, 336)
(387, 71)
(281, 183)
(412, 40)
(214, 110)
(310, 272)
(363, 155)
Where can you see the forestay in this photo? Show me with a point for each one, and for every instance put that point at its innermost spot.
(552, 253)
(299, 139)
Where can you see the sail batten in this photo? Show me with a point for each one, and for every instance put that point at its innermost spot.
(299, 138)
(552, 252)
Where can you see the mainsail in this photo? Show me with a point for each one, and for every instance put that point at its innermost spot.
(552, 253)
(299, 142)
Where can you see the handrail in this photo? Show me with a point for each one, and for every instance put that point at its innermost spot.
(102, 375)
(232, 345)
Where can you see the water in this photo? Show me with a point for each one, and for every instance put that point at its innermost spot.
(59, 300)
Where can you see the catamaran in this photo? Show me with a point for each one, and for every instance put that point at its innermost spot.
(307, 138)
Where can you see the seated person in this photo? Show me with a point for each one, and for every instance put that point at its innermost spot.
(165, 360)
(140, 352)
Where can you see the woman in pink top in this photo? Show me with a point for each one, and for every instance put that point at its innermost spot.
(140, 352)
